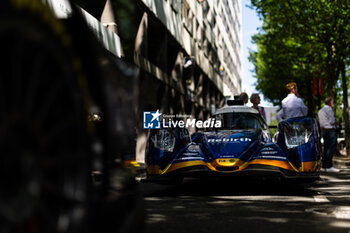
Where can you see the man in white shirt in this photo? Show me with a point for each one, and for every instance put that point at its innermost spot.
(292, 105)
(327, 124)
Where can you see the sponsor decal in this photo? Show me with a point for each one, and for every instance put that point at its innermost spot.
(189, 158)
(227, 156)
(214, 140)
(226, 161)
(190, 154)
(269, 152)
(272, 157)
(268, 149)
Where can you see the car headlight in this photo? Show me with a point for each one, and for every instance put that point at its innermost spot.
(164, 140)
(296, 133)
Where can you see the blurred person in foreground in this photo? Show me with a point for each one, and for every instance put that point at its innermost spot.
(292, 105)
(327, 124)
(255, 100)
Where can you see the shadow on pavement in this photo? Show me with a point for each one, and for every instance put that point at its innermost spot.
(224, 187)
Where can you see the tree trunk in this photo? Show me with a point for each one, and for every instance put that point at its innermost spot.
(346, 107)
(332, 89)
(332, 72)
(310, 98)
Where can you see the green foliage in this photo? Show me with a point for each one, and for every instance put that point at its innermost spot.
(300, 40)
(128, 17)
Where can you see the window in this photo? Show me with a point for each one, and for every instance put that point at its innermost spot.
(205, 9)
(176, 5)
(187, 17)
(213, 20)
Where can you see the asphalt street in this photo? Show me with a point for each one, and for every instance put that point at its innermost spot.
(249, 206)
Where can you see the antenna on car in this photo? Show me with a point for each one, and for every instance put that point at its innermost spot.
(236, 101)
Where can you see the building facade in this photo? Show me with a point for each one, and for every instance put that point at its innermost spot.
(192, 49)
(189, 53)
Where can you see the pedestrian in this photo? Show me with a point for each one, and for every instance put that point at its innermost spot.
(255, 100)
(327, 124)
(244, 97)
(292, 105)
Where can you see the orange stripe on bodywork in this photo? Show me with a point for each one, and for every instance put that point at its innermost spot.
(155, 170)
(307, 166)
(211, 166)
(176, 166)
(276, 163)
(311, 166)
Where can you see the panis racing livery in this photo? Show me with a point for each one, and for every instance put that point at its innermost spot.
(242, 146)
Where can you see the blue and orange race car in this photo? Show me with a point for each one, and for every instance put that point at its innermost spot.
(242, 146)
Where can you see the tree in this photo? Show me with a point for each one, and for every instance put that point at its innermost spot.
(306, 39)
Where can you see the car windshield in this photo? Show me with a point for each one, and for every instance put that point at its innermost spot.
(240, 121)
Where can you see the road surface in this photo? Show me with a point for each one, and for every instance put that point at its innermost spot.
(224, 206)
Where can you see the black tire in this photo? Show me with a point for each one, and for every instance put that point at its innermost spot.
(44, 135)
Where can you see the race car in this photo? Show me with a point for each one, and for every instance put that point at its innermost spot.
(241, 147)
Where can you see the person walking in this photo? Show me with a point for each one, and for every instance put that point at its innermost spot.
(292, 105)
(255, 100)
(327, 124)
